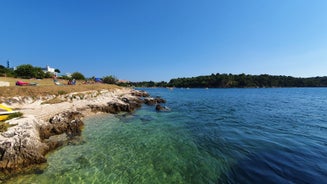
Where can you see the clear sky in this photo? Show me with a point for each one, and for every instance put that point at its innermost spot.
(162, 39)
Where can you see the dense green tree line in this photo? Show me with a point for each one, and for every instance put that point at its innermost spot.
(148, 84)
(28, 71)
(238, 81)
(25, 71)
(6, 71)
(207, 81)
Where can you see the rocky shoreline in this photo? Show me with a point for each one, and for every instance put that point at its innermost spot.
(45, 127)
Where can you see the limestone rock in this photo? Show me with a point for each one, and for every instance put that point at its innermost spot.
(21, 146)
(139, 93)
(154, 101)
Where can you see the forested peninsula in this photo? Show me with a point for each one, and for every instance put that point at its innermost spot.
(237, 81)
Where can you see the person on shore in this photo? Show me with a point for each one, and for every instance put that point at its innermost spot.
(72, 82)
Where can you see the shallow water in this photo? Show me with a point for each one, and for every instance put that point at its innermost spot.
(210, 136)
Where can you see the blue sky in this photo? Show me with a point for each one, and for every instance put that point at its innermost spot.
(163, 39)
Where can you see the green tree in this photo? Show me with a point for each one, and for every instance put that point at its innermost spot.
(2, 70)
(64, 77)
(48, 75)
(78, 76)
(110, 79)
(26, 71)
(38, 73)
(57, 70)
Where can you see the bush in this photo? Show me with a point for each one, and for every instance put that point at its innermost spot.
(62, 92)
(38, 73)
(6, 71)
(64, 77)
(48, 75)
(78, 76)
(110, 79)
(28, 71)
(25, 71)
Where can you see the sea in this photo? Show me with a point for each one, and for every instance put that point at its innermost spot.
(272, 135)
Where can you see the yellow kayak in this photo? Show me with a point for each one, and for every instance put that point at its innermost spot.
(4, 112)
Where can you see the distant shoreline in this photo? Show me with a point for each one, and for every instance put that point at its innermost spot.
(237, 81)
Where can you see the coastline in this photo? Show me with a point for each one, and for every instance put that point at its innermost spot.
(45, 127)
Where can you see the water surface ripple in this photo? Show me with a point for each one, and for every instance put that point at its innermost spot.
(210, 136)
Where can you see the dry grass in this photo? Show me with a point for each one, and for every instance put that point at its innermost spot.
(47, 87)
(54, 101)
(41, 82)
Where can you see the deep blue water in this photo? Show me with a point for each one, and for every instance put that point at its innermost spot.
(271, 135)
(209, 136)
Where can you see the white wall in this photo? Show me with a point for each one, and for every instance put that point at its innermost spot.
(4, 83)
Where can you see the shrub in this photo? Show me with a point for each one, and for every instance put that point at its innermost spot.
(28, 71)
(78, 76)
(110, 79)
(64, 77)
(48, 75)
(25, 71)
(62, 92)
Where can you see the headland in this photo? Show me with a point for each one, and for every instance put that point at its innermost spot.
(53, 120)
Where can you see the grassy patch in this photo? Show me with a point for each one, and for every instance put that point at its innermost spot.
(54, 101)
(62, 92)
(4, 126)
(44, 90)
(15, 115)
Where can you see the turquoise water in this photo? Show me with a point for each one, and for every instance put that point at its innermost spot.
(210, 136)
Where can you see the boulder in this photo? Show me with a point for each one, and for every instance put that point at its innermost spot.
(154, 101)
(139, 93)
(69, 123)
(21, 146)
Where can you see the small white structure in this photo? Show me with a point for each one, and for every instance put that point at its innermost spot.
(68, 74)
(2, 84)
(49, 69)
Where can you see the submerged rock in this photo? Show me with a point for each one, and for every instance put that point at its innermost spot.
(25, 145)
(140, 93)
(161, 108)
(154, 101)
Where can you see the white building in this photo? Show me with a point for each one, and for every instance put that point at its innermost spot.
(48, 69)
